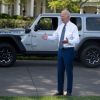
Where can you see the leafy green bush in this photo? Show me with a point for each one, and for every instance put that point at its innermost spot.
(17, 17)
(27, 18)
(3, 16)
(14, 23)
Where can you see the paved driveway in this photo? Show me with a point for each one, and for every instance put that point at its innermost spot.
(29, 78)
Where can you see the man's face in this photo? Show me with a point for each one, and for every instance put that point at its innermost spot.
(64, 17)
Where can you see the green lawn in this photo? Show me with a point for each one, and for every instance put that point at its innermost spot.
(36, 58)
(52, 98)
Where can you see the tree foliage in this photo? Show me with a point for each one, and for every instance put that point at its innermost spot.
(72, 5)
(7, 1)
(12, 1)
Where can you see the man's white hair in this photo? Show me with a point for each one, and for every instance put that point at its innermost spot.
(66, 11)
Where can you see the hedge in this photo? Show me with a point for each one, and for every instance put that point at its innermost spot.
(7, 21)
(14, 23)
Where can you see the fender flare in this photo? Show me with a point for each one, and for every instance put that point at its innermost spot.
(16, 39)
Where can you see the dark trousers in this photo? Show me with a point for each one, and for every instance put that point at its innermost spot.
(65, 63)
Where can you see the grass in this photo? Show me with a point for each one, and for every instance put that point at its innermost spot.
(51, 98)
(36, 58)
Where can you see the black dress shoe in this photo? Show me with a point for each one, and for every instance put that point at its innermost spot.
(58, 94)
(68, 94)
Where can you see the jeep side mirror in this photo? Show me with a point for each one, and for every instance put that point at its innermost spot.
(27, 30)
(36, 28)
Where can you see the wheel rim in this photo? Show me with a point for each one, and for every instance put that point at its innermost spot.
(92, 56)
(6, 55)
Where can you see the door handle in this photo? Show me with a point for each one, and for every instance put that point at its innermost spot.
(34, 36)
(34, 44)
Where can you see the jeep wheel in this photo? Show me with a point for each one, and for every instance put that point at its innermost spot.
(7, 55)
(90, 56)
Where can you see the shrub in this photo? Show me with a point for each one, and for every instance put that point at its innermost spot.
(14, 23)
(17, 17)
(3, 16)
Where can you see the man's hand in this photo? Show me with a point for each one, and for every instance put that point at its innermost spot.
(45, 37)
(65, 41)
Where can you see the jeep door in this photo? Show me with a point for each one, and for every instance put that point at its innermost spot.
(46, 25)
(77, 20)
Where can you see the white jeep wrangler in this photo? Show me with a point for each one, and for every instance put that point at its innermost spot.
(29, 41)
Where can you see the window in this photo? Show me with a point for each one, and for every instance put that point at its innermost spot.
(93, 24)
(77, 21)
(47, 23)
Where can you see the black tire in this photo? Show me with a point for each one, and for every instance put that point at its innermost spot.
(7, 55)
(90, 56)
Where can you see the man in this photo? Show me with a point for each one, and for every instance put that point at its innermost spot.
(68, 36)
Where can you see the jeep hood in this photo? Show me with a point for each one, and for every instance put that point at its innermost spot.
(15, 31)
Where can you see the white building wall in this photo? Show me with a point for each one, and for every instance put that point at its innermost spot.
(6, 9)
(27, 7)
(3, 8)
(38, 7)
(30, 8)
(17, 7)
(43, 6)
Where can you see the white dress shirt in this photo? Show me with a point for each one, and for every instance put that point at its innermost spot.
(71, 33)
